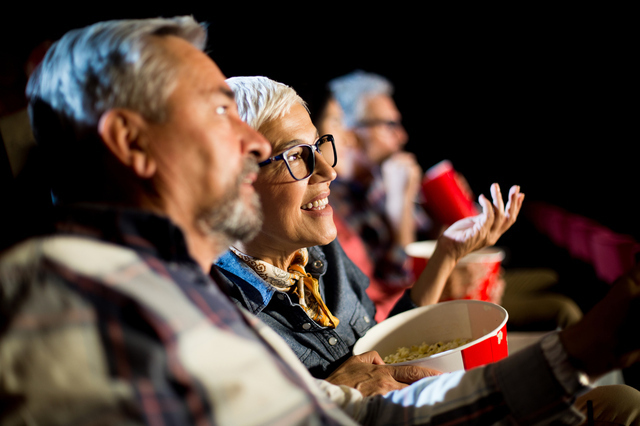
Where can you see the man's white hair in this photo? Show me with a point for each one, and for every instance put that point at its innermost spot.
(261, 100)
(351, 91)
(108, 65)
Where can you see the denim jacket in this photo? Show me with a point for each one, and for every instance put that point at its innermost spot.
(342, 285)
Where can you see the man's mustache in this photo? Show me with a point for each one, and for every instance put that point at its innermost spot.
(250, 166)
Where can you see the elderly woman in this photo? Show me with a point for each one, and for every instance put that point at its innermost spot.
(294, 275)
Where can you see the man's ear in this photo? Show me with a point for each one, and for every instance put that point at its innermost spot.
(124, 133)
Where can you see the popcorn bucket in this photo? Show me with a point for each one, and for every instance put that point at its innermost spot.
(484, 323)
(480, 270)
(444, 199)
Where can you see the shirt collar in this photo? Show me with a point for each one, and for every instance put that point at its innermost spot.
(254, 290)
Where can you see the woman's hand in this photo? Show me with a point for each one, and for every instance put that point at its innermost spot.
(463, 237)
(476, 232)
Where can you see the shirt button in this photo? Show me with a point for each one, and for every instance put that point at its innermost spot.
(366, 319)
(317, 264)
(333, 341)
(306, 326)
(280, 296)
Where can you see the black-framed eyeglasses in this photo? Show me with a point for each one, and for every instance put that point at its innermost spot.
(300, 159)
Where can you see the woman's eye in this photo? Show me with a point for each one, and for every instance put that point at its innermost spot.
(221, 110)
(293, 156)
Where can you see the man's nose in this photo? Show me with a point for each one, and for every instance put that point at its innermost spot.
(254, 143)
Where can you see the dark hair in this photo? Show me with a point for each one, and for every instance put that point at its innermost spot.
(317, 96)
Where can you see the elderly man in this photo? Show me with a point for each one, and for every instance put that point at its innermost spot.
(113, 319)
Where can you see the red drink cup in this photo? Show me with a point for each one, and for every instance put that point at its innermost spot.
(482, 285)
(444, 199)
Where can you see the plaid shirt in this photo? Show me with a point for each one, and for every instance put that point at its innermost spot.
(112, 322)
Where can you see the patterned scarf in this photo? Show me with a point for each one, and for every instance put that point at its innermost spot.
(295, 281)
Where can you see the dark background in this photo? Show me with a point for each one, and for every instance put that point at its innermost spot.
(540, 97)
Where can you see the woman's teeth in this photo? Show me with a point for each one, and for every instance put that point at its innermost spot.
(316, 205)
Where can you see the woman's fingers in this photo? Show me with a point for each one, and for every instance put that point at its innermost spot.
(487, 210)
(514, 204)
(504, 216)
(496, 194)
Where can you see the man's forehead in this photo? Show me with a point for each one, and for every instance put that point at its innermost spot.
(195, 66)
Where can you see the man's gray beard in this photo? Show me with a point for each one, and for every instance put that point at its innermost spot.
(231, 220)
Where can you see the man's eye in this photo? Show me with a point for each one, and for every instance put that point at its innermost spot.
(221, 110)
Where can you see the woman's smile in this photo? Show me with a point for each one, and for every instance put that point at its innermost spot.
(318, 204)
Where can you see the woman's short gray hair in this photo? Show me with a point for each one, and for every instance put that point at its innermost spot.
(352, 89)
(261, 100)
(111, 64)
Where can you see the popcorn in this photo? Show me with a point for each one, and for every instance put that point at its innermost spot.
(422, 351)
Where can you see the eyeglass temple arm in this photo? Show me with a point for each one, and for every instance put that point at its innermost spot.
(270, 160)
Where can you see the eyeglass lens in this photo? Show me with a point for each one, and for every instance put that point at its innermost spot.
(301, 160)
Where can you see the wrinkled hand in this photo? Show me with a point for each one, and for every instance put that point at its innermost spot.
(476, 232)
(607, 337)
(371, 376)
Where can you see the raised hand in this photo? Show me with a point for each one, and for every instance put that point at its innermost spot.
(476, 232)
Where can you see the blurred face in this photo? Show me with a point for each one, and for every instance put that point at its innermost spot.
(296, 213)
(383, 134)
(206, 155)
(331, 122)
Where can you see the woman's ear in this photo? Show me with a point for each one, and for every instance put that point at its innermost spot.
(124, 133)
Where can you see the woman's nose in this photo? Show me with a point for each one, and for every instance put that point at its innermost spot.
(323, 170)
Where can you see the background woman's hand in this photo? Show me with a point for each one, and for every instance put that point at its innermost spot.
(476, 232)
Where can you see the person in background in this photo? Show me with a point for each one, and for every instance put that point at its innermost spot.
(379, 200)
(327, 115)
(371, 122)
